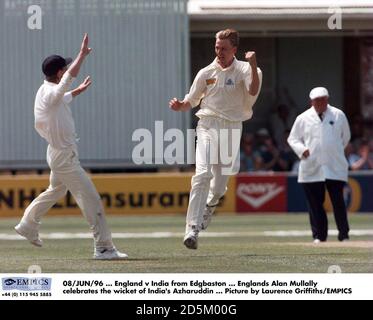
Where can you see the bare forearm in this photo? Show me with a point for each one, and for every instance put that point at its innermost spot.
(76, 92)
(82, 87)
(358, 164)
(254, 85)
(77, 63)
(185, 106)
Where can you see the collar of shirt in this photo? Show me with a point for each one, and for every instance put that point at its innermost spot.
(324, 114)
(218, 66)
(49, 83)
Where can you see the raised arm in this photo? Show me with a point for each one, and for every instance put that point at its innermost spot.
(68, 97)
(60, 90)
(83, 53)
(82, 87)
(255, 82)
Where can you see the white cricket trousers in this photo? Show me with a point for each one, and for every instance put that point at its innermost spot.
(212, 174)
(67, 175)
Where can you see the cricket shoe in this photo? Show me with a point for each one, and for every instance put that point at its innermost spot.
(191, 239)
(30, 235)
(207, 216)
(109, 254)
(317, 241)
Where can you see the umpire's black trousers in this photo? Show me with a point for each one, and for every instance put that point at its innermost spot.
(315, 193)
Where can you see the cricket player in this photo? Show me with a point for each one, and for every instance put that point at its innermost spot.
(54, 123)
(228, 89)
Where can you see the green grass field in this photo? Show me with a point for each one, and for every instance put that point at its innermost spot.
(232, 244)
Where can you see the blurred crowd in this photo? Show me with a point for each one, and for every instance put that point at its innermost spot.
(268, 150)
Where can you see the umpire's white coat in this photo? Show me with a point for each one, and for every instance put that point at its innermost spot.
(325, 140)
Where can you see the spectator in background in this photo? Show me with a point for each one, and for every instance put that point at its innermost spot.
(368, 133)
(286, 152)
(271, 157)
(283, 116)
(281, 121)
(364, 161)
(357, 128)
(250, 159)
(371, 148)
(351, 154)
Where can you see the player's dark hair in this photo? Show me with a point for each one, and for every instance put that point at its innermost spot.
(51, 78)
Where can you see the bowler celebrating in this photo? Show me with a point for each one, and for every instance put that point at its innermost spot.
(228, 89)
(54, 122)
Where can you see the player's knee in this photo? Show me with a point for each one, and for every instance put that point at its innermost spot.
(95, 198)
(201, 178)
(59, 191)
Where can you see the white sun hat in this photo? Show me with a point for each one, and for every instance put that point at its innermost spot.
(319, 92)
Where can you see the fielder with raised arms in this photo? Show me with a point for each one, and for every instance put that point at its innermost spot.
(54, 122)
(228, 89)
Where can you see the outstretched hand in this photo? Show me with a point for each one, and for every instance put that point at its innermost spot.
(175, 104)
(85, 84)
(82, 87)
(84, 49)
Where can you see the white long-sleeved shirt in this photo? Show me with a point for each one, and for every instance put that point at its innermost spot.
(326, 141)
(224, 92)
(53, 117)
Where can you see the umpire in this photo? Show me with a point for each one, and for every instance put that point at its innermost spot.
(319, 137)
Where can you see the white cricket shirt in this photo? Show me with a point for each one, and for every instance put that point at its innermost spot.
(53, 116)
(326, 141)
(224, 92)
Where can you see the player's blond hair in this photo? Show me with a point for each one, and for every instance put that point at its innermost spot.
(230, 34)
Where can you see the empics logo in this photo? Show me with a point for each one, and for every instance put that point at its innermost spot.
(27, 284)
(261, 194)
(9, 282)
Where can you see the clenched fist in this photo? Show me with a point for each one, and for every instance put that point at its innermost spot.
(251, 58)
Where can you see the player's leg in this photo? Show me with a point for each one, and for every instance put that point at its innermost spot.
(223, 170)
(218, 187)
(335, 189)
(206, 144)
(30, 223)
(315, 194)
(66, 166)
(89, 201)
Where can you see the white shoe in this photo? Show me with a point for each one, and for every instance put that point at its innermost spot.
(316, 241)
(32, 236)
(109, 254)
(207, 216)
(191, 239)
